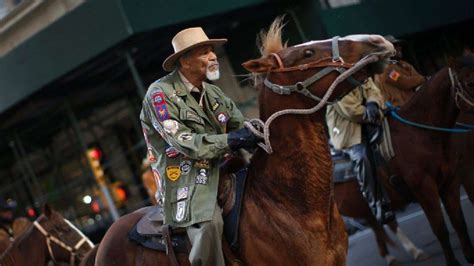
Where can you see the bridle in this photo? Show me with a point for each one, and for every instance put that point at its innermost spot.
(458, 90)
(330, 64)
(71, 249)
(334, 63)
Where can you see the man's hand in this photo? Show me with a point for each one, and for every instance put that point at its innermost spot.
(242, 138)
(372, 112)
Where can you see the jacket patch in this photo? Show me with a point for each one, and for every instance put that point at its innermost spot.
(171, 152)
(171, 126)
(173, 172)
(182, 193)
(394, 75)
(215, 106)
(159, 104)
(202, 164)
(180, 211)
(185, 136)
(193, 117)
(222, 118)
(202, 177)
(185, 167)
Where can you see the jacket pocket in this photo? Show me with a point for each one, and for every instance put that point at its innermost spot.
(191, 119)
(180, 203)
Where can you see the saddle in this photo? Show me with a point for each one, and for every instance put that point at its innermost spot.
(150, 232)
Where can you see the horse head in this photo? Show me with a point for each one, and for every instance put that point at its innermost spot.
(310, 68)
(65, 242)
(461, 74)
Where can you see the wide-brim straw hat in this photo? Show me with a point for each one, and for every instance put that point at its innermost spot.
(186, 40)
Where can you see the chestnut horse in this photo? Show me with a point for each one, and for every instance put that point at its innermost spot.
(51, 237)
(19, 226)
(425, 160)
(288, 215)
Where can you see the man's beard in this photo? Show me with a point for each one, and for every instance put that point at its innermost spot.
(212, 74)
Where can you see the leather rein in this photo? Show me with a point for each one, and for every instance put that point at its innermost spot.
(71, 249)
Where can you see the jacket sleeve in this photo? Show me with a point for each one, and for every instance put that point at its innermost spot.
(351, 106)
(236, 119)
(372, 92)
(165, 118)
(406, 79)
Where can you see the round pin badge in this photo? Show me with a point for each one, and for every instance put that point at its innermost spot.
(185, 167)
(222, 118)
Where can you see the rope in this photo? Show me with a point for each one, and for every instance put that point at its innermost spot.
(252, 124)
(458, 89)
(394, 114)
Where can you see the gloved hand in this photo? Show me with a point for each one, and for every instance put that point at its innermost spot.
(371, 113)
(242, 138)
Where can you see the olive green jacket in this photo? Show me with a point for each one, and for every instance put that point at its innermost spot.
(185, 143)
(344, 117)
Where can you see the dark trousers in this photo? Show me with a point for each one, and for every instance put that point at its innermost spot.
(364, 172)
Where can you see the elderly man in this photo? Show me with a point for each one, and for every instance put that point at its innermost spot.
(189, 125)
(351, 123)
(400, 79)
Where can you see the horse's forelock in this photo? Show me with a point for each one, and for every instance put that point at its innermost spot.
(270, 41)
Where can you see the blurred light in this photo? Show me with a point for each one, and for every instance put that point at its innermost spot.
(95, 207)
(95, 153)
(31, 212)
(87, 199)
(121, 194)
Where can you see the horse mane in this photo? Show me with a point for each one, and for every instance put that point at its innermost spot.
(270, 41)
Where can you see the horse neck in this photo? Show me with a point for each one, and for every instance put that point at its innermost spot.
(297, 175)
(30, 247)
(434, 103)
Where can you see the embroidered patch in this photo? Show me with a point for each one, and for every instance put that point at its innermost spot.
(222, 118)
(215, 106)
(180, 211)
(202, 177)
(159, 103)
(394, 75)
(182, 193)
(173, 172)
(171, 152)
(185, 136)
(202, 164)
(171, 126)
(185, 167)
(193, 116)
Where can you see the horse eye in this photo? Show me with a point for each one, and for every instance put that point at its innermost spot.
(308, 53)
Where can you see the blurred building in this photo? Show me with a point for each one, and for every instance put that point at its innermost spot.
(73, 74)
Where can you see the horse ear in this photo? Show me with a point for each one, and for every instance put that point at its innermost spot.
(47, 211)
(259, 65)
